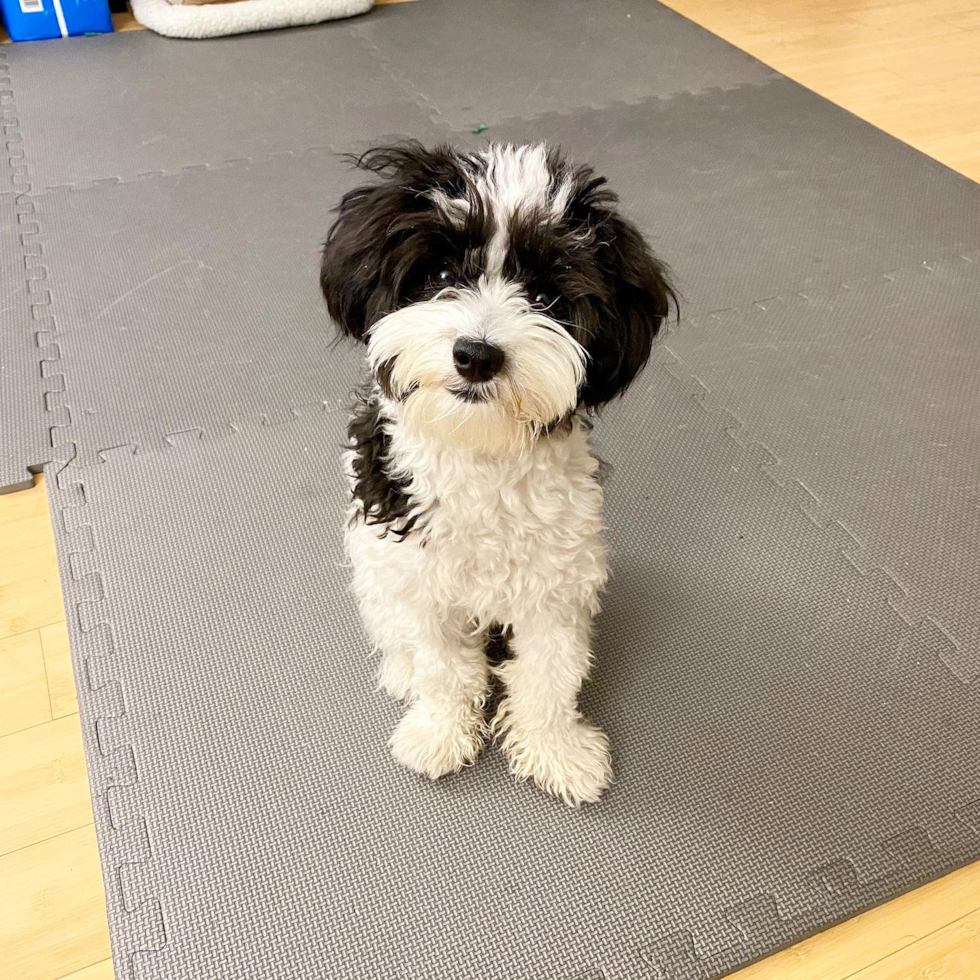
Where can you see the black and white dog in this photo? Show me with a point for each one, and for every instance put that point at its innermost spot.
(502, 298)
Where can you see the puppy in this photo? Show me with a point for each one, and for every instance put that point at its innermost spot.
(502, 299)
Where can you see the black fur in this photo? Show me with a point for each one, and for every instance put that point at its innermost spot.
(589, 269)
(600, 280)
(389, 242)
(383, 498)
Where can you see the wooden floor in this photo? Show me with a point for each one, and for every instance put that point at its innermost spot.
(52, 912)
(911, 67)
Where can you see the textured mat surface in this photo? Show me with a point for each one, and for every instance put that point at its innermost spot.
(23, 426)
(216, 312)
(187, 333)
(788, 655)
(507, 59)
(788, 749)
(150, 104)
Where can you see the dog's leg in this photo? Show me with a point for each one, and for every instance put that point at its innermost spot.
(544, 735)
(390, 627)
(444, 729)
(396, 672)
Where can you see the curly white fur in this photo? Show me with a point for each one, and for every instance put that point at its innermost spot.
(514, 539)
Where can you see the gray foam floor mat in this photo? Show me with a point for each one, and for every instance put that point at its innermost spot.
(142, 104)
(788, 654)
(24, 438)
(191, 306)
(23, 429)
(865, 399)
(788, 748)
(508, 59)
(187, 333)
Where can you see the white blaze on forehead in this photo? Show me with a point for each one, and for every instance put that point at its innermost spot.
(516, 177)
(508, 178)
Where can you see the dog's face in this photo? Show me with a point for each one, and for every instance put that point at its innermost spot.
(496, 291)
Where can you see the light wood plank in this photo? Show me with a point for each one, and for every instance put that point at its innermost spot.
(23, 685)
(853, 945)
(30, 592)
(52, 916)
(31, 504)
(97, 971)
(126, 22)
(43, 784)
(951, 953)
(58, 668)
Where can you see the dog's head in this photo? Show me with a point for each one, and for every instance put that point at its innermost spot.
(497, 291)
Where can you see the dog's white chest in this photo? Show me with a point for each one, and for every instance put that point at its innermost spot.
(500, 536)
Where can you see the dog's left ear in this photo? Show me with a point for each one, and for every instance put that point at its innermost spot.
(637, 302)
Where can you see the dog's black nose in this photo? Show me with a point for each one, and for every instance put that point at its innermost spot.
(477, 360)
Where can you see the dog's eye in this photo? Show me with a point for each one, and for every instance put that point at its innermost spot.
(445, 277)
(543, 299)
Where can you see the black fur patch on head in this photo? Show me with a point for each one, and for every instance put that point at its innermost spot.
(384, 500)
(590, 269)
(390, 241)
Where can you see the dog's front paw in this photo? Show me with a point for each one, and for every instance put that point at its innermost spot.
(437, 744)
(570, 760)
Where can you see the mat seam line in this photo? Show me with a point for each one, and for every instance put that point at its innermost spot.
(854, 549)
(448, 131)
(401, 81)
(283, 411)
(439, 119)
(905, 601)
(90, 183)
(750, 923)
(116, 770)
(185, 170)
(76, 580)
(13, 150)
(419, 99)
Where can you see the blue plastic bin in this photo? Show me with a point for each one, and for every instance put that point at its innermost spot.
(34, 20)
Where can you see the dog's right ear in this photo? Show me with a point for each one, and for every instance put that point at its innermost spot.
(352, 273)
(375, 242)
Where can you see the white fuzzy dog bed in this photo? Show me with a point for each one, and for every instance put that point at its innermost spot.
(215, 20)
